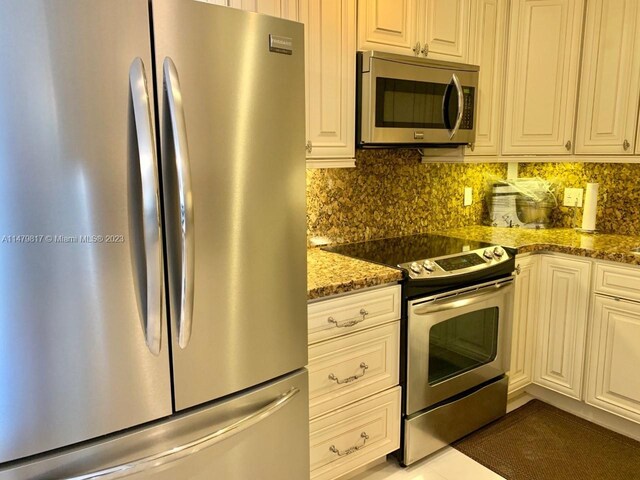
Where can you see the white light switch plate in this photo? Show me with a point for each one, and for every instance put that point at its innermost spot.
(468, 196)
(573, 197)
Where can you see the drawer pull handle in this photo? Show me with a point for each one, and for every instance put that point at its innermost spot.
(351, 450)
(349, 323)
(352, 378)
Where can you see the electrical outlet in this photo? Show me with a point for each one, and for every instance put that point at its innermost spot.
(573, 197)
(468, 196)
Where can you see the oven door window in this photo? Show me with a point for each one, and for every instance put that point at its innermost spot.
(462, 343)
(413, 104)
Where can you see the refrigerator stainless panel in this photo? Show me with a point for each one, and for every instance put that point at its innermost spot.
(232, 134)
(76, 310)
(274, 447)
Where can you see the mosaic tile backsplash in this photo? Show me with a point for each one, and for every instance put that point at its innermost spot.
(618, 196)
(391, 193)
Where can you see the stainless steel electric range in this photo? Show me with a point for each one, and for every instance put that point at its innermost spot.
(456, 316)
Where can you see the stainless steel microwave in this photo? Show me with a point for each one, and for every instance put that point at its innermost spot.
(403, 100)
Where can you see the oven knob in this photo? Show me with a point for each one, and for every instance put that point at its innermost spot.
(498, 252)
(415, 268)
(429, 265)
(488, 254)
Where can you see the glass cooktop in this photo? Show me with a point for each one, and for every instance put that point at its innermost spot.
(395, 251)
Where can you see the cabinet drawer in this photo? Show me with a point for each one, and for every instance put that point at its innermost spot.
(623, 282)
(332, 318)
(353, 436)
(348, 368)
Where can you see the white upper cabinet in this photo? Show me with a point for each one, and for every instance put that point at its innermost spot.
(436, 29)
(276, 8)
(388, 25)
(542, 76)
(443, 29)
(330, 43)
(610, 80)
(487, 48)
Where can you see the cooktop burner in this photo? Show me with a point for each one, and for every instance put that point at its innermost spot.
(433, 258)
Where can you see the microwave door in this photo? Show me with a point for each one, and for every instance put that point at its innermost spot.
(453, 106)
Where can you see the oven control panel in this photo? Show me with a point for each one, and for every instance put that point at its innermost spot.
(456, 264)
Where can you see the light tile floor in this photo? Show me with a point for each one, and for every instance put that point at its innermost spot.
(447, 464)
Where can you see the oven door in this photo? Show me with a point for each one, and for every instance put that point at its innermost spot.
(417, 104)
(457, 341)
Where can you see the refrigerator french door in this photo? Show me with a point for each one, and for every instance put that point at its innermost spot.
(124, 303)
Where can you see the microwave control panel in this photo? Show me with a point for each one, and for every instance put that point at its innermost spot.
(467, 116)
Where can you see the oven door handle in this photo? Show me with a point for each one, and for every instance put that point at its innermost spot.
(464, 300)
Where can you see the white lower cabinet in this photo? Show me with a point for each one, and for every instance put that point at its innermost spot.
(613, 355)
(555, 308)
(355, 435)
(562, 324)
(348, 368)
(354, 397)
(524, 322)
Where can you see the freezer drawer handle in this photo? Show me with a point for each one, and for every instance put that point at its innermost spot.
(182, 451)
(352, 378)
(349, 323)
(350, 450)
(183, 169)
(150, 207)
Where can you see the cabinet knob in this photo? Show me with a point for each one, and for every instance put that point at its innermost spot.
(518, 269)
(416, 49)
(309, 146)
(568, 145)
(425, 50)
(626, 144)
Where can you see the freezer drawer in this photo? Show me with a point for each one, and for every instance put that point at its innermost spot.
(275, 446)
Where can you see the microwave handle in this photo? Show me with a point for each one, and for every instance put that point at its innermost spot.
(456, 127)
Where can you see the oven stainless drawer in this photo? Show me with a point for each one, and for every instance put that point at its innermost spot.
(353, 436)
(348, 368)
(351, 313)
(430, 431)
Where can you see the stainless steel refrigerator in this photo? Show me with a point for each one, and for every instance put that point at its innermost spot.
(152, 242)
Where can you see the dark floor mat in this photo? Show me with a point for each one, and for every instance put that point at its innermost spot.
(541, 442)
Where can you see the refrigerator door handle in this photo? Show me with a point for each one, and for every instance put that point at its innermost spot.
(177, 453)
(152, 302)
(183, 169)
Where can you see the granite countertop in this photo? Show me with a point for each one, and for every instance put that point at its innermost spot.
(330, 273)
(602, 246)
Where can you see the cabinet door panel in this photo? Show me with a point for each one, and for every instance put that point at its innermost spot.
(614, 356)
(608, 104)
(487, 49)
(445, 29)
(542, 76)
(330, 76)
(387, 25)
(524, 322)
(564, 296)
(276, 8)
